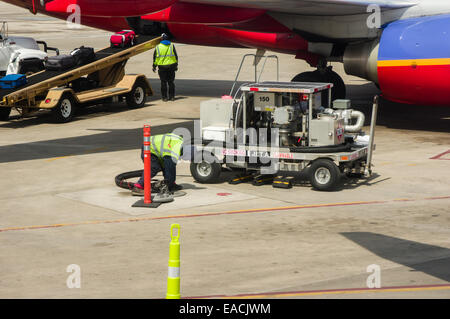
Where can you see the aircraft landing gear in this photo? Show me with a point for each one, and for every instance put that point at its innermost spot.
(324, 74)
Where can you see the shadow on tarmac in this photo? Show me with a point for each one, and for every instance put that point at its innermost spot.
(399, 116)
(355, 182)
(392, 115)
(105, 141)
(405, 252)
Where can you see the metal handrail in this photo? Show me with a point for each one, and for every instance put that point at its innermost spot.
(256, 68)
(264, 64)
(47, 48)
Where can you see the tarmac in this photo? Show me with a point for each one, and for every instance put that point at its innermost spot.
(59, 205)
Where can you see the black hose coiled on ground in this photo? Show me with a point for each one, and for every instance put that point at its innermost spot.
(121, 179)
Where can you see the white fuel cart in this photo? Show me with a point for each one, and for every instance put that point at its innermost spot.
(271, 131)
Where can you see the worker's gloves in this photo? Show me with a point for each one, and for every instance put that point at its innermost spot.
(154, 69)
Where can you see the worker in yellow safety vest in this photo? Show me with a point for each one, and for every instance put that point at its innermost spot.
(166, 59)
(166, 150)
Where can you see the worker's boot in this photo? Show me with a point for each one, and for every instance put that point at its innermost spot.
(138, 190)
(164, 195)
(164, 188)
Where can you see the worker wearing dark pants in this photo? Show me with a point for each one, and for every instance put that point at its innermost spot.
(167, 77)
(165, 58)
(168, 168)
(166, 150)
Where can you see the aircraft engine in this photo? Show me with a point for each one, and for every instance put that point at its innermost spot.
(361, 59)
(410, 62)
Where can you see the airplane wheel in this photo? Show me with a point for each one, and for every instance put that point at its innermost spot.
(137, 97)
(337, 92)
(4, 113)
(65, 110)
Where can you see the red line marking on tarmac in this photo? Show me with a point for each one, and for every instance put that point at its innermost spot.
(439, 156)
(328, 291)
(245, 211)
(438, 197)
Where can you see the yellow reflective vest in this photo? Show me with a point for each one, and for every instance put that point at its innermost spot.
(166, 145)
(165, 54)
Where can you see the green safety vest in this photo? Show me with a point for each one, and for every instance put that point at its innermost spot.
(165, 55)
(166, 145)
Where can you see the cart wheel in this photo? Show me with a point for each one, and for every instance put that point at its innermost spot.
(137, 97)
(65, 110)
(4, 113)
(324, 175)
(206, 171)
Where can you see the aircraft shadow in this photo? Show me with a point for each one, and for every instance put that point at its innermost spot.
(106, 140)
(391, 115)
(396, 115)
(405, 252)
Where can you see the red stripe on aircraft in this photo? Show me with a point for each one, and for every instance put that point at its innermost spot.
(417, 84)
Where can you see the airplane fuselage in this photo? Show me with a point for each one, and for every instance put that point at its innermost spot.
(404, 46)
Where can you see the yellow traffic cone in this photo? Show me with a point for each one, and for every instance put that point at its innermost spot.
(173, 279)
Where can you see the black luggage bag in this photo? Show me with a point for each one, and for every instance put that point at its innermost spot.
(60, 62)
(83, 55)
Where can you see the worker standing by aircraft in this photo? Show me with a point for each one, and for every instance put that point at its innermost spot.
(166, 59)
(166, 150)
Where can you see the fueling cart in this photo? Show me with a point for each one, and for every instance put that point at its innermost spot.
(274, 130)
(101, 81)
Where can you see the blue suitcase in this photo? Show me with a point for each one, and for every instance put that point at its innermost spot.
(13, 81)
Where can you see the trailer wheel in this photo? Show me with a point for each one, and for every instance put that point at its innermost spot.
(137, 97)
(4, 113)
(206, 171)
(324, 175)
(65, 110)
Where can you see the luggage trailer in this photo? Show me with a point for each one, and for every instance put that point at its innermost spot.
(54, 90)
(325, 143)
